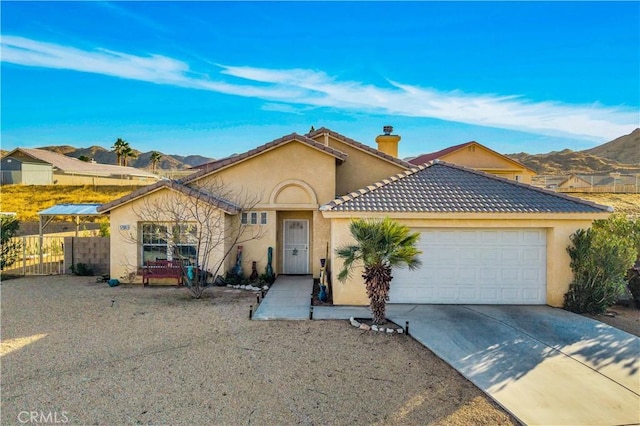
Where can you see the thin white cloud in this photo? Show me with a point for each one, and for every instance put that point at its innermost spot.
(317, 89)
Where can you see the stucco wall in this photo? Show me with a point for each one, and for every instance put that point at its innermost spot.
(125, 232)
(293, 163)
(360, 169)
(559, 228)
(476, 157)
(290, 182)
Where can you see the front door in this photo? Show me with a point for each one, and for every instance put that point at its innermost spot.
(296, 246)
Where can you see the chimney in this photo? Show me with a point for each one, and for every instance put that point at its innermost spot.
(387, 142)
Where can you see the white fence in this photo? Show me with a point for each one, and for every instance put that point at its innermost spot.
(39, 256)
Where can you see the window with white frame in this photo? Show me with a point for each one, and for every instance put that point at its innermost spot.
(162, 241)
(254, 218)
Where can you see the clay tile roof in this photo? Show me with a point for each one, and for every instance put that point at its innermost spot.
(425, 158)
(208, 168)
(444, 187)
(359, 145)
(210, 198)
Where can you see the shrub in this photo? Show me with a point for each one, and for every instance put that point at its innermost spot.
(10, 246)
(81, 269)
(105, 230)
(600, 259)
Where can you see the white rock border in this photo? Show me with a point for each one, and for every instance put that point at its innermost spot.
(248, 287)
(374, 327)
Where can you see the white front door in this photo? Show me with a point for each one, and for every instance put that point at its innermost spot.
(296, 246)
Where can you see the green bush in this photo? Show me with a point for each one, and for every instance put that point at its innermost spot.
(105, 230)
(600, 259)
(81, 269)
(10, 246)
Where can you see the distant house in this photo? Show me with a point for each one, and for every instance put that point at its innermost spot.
(613, 182)
(575, 181)
(28, 166)
(478, 157)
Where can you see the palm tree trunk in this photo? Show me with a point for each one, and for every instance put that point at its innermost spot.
(377, 280)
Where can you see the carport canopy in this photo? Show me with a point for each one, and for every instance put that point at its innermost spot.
(74, 210)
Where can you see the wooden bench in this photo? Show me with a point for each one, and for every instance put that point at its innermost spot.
(162, 269)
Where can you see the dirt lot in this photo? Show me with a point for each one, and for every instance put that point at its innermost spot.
(623, 317)
(89, 354)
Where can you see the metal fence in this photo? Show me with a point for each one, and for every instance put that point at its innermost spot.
(39, 256)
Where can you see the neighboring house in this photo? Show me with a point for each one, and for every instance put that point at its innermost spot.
(614, 182)
(478, 157)
(28, 166)
(485, 239)
(575, 181)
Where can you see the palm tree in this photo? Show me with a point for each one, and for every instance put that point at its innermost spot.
(155, 157)
(380, 245)
(118, 147)
(127, 152)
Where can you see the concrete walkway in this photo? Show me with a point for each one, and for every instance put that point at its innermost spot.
(289, 298)
(544, 365)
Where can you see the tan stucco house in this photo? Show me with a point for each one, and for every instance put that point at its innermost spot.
(485, 239)
(478, 157)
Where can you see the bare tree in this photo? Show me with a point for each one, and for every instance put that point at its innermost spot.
(198, 226)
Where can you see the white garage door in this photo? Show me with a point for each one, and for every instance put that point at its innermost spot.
(476, 266)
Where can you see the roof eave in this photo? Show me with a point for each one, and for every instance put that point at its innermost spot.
(269, 146)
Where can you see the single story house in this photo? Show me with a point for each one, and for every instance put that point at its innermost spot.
(613, 182)
(485, 239)
(478, 157)
(29, 166)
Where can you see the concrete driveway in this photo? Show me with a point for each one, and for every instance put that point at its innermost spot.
(544, 365)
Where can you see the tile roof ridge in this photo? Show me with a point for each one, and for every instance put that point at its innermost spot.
(227, 161)
(434, 155)
(369, 188)
(524, 185)
(360, 145)
(175, 185)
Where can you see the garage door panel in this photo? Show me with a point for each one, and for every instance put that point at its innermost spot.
(511, 237)
(509, 275)
(490, 266)
(509, 255)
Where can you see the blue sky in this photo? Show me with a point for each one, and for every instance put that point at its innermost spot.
(216, 78)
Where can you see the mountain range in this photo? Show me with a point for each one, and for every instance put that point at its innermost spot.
(141, 161)
(619, 155)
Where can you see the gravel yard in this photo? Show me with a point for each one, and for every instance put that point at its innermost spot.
(81, 352)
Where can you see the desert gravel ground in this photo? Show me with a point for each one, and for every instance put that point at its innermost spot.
(133, 355)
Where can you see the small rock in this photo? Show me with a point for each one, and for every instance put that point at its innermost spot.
(390, 330)
(354, 322)
(364, 327)
(374, 327)
(400, 331)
